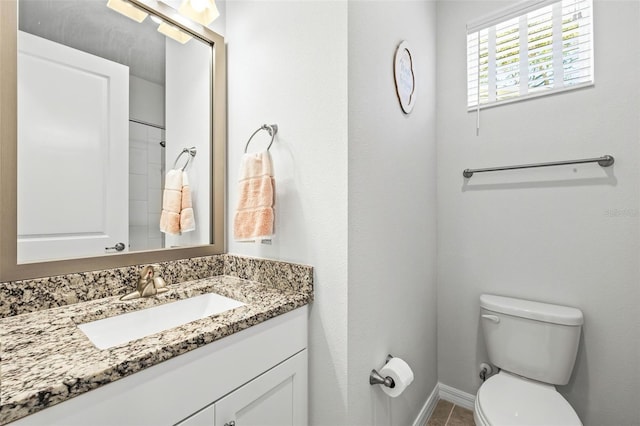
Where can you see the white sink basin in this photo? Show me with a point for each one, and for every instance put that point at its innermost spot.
(113, 331)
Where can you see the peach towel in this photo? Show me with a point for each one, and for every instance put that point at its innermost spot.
(177, 212)
(254, 217)
(187, 218)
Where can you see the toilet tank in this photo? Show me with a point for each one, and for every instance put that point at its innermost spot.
(531, 339)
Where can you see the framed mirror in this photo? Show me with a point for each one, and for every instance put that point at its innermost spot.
(102, 116)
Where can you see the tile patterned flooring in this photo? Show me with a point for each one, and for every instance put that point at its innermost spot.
(448, 414)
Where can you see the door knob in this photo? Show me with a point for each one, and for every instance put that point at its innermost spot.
(231, 423)
(117, 247)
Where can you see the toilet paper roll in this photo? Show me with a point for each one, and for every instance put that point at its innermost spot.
(401, 374)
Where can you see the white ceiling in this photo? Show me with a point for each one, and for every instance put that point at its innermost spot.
(90, 26)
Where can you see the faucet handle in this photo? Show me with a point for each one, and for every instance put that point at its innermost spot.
(146, 278)
(160, 285)
(147, 285)
(147, 272)
(159, 282)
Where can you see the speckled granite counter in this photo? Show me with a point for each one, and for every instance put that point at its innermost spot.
(46, 359)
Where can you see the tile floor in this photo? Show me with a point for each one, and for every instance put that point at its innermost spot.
(448, 414)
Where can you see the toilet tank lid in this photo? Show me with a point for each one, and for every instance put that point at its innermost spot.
(539, 311)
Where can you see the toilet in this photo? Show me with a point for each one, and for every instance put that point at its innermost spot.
(534, 345)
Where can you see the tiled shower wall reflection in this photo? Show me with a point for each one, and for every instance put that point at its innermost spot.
(146, 172)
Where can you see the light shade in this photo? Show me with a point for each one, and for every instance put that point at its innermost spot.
(174, 33)
(127, 9)
(201, 11)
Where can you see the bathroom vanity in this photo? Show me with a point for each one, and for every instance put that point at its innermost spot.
(242, 363)
(247, 363)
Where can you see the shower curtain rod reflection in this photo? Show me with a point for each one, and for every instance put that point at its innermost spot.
(133, 120)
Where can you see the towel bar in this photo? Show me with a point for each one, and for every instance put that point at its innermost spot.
(192, 153)
(604, 161)
(272, 129)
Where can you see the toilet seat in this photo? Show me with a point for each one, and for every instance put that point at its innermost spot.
(509, 400)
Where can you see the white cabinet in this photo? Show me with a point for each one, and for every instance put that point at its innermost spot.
(277, 397)
(204, 417)
(258, 372)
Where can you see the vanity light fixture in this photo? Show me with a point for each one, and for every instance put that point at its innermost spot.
(201, 11)
(174, 33)
(127, 9)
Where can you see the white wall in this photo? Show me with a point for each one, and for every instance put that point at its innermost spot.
(392, 209)
(146, 101)
(287, 64)
(566, 235)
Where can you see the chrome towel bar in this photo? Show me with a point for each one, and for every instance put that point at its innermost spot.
(192, 153)
(604, 161)
(272, 129)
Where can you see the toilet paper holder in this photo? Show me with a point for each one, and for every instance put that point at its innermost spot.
(376, 379)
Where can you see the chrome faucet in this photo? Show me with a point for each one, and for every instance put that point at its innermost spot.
(148, 285)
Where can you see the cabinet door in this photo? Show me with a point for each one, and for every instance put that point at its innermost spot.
(203, 417)
(276, 398)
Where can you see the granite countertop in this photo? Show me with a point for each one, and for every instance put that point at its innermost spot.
(45, 358)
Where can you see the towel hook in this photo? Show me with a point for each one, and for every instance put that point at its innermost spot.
(192, 153)
(272, 129)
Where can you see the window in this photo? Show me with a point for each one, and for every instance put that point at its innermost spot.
(534, 48)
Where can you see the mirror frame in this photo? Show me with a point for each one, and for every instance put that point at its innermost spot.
(10, 269)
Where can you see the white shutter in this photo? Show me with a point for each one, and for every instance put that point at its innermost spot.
(531, 49)
(540, 37)
(508, 55)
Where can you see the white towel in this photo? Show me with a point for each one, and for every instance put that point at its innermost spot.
(255, 217)
(177, 212)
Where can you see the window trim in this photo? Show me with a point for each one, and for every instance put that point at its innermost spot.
(529, 96)
(507, 13)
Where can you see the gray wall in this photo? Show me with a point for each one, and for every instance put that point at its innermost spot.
(392, 209)
(566, 235)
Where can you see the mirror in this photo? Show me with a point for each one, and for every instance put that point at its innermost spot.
(111, 113)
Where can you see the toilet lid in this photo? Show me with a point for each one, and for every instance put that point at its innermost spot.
(505, 399)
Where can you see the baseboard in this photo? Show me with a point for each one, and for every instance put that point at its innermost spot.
(458, 397)
(428, 407)
(448, 393)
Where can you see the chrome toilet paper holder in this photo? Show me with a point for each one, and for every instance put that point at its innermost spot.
(376, 379)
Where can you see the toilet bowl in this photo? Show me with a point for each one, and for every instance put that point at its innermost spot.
(506, 399)
(535, 345)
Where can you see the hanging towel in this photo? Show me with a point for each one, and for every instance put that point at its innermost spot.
(254, 217)
(177, 212)
(187, 220)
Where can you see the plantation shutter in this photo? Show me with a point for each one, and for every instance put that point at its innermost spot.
(533, 48)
